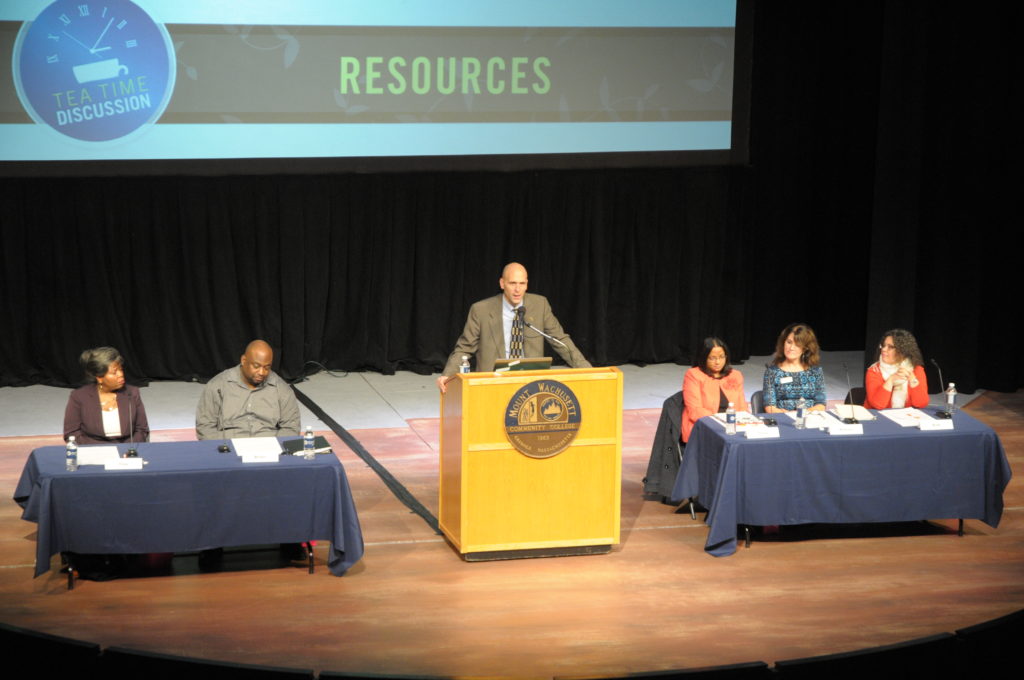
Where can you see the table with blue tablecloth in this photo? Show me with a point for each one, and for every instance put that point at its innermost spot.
(888, 474)
(188, 497)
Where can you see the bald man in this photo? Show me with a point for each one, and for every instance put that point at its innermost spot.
(488, 330)
(248, 400)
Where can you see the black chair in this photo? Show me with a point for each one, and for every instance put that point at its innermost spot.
(667, 453)
(667, 449)
(856, 395)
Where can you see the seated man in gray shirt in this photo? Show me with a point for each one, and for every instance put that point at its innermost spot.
(248, 400)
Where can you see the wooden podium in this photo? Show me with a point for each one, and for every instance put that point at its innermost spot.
(499, 503)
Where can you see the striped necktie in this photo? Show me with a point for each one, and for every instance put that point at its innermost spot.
(515, 350)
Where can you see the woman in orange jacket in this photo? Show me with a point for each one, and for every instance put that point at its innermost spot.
(710, 385)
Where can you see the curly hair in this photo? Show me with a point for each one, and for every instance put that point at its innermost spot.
(906, 346)
(804, 336)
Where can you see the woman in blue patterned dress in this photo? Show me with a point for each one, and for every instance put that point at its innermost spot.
(794, 372)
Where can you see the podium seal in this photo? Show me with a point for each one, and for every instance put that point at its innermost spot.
(542, 418)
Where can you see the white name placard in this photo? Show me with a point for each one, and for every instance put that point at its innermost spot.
(124, 464)
(935, 424)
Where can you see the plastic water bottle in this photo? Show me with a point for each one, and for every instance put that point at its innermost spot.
(464, 366)
(801, 408)
(951, 399)
(308, 444)
(730, 419)
(71, 455)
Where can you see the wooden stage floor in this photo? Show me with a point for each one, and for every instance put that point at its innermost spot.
(411, 606)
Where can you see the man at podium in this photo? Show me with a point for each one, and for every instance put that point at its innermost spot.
(511, 325)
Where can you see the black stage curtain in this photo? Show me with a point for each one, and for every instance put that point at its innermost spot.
(946, 248)
(360, 271)
(878, 195)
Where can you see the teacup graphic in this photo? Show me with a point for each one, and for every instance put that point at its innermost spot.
(99, 70)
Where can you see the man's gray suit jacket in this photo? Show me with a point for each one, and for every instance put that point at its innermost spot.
(484, 337)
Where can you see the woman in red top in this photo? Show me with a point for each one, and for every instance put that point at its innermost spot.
(710, 385)
(897, 379)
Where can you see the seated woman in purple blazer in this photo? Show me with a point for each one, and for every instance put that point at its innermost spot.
(106, 410)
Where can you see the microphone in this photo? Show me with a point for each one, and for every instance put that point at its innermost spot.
(940, 413)
(850, 420)
(530, 325)
(225, 447)
(936, 365)
(220, 416)
(132, 452)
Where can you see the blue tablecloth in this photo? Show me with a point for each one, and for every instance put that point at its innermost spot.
(188, 497)
(888, 474)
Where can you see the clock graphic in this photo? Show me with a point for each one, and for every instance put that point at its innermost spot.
(94, 71)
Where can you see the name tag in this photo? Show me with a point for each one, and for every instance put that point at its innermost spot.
(260, 457)
(934, 424)
(846, 428)
(124, 464)
(785, 381)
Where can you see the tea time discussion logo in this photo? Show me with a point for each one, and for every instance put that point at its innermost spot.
(94, 71)
(542, 418)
